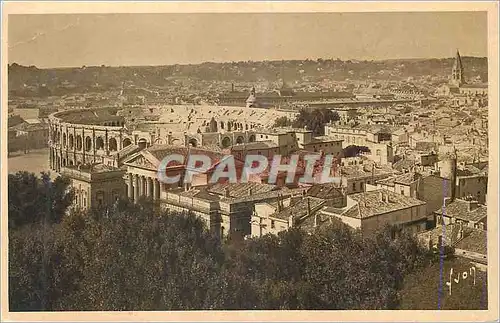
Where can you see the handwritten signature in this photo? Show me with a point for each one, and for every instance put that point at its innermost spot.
(464, 275)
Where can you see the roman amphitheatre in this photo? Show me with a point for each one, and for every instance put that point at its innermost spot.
(85, 136)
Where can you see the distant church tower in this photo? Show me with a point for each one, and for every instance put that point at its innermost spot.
(457, 73)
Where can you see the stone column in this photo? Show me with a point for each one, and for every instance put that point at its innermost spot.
(136, 188)
(130, 187)
(83, 146)
(141, 186)
(106, 144)
(149, 187)
(50, 158)
(156, 189)
(93, 144)
(74, 146)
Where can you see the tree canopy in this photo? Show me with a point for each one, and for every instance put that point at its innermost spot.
(353, 150)
(33, 199)
(141, 257)
(312, 119)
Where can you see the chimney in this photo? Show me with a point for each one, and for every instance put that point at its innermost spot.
(386, 198)
(232, 87)
(250, 192)
(279, 203)
(460, 230)
(472, 205)
(440, 241)
(381, 196)
(290, 221)
(226, 192)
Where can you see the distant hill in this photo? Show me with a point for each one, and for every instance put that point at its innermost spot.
(44, 82)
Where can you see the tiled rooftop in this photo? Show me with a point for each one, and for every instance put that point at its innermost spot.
(241, 189)
(325, 191)
(370, 203)
(255, 145)
(459, 209)
(475, 241)
(299, 209)
(405, 179)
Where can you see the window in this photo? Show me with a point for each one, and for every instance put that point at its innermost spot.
(353, 186)
(100, 198)
(273, 225)
(402, 192)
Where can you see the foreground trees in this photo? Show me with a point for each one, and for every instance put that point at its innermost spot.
(312, 119)
(35, 199)
(137, 257)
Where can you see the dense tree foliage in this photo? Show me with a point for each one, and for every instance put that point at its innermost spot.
(140, 257)
(33, 199)
(283, 122)
(353, 150)
(312, 119)
(315, 120)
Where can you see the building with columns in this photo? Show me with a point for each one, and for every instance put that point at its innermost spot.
(96, 185)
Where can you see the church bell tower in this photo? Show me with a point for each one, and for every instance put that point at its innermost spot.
(457, 73)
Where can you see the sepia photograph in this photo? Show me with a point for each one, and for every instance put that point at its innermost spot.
(224, 160)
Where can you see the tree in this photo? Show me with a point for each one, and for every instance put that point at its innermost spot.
(353, 150)
(136, 256)
(315, 120)
(35, 199)
(283, 122)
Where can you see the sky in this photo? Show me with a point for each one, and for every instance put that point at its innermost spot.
(64, 40)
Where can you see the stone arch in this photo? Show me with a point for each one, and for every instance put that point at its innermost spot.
(240, 140)
(99, 143)
(88, 143)
(113, 145)
(251, 138)
(71, 141)
(193, 142)
(226, 142)
(64, 162)
(79, 142)
(126, 142)
(71, 163)
(175, 141)
(64, 140)
(142, 143)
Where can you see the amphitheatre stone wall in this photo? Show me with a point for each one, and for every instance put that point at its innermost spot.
(88, 135)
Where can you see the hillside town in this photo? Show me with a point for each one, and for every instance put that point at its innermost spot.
(423, 166)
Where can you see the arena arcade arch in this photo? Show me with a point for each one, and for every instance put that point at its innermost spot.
(226, 142)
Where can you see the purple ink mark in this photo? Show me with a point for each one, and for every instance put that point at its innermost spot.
(441, 247)
(484, 294)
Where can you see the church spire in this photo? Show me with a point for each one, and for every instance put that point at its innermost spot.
(457, 73)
